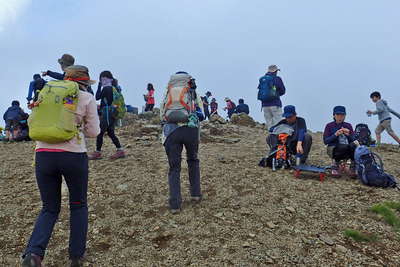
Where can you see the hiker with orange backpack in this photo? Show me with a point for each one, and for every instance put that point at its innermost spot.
(299, 142)
(106, 93)
(60, 128)
(181, 113)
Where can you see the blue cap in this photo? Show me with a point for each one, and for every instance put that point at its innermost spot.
(339, 110)
(289, 111)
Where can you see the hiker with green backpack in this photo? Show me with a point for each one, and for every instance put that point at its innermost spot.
(181, 113)
(64, 114)
(112, 109)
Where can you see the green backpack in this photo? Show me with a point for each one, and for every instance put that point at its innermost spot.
(119, 104)
(53, 118)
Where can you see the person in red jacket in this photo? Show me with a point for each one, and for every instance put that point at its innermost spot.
(150, 102)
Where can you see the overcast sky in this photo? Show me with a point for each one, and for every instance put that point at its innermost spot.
(330, 52)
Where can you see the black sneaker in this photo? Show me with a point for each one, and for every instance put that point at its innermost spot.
(32, 260)
(76, 263)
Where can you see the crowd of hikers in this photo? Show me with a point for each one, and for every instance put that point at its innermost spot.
(64, 112)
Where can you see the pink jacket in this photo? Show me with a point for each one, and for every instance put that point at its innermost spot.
(86, 115)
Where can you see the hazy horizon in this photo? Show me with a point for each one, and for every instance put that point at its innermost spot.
(330, 53)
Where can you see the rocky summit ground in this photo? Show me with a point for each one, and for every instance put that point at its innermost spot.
(250, 216)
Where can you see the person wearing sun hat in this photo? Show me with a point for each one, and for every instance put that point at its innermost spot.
(68, 160)
(300, 142)
(340, 140)
(272, 108)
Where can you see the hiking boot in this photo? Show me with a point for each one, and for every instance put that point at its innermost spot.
(352, 170)
(175, 211)
(118, 155)
(335, 172)
(196, 199)
(76, 263)
(95, 155)
(32, 260)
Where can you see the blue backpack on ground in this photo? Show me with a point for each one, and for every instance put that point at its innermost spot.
(266, 89)
(369, 172)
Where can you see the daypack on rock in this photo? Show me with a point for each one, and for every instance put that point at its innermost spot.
(119, 104)
(266, 89)
(53, 116)
(369, 172)
(363, 134)
(180, 99)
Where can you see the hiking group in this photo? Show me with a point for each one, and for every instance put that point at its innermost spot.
(65, 112)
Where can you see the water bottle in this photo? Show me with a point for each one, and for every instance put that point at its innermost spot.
(298, 159)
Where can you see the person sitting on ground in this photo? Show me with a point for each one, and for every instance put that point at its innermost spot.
(107, 120)
(34, 88)
(300, 142)
(149, 97)
(242, 107)
(12, 117)
(180, 113)
(213, 107)
(67, 160)
(339, 137)
(230, 107)
(206, 104)
(385, 120)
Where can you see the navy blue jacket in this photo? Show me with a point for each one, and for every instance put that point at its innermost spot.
(280, 87)
(331, 128)
(13, 113)
(56, 75)
(242, 108)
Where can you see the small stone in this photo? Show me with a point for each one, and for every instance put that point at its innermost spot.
(252, 235)
(341, 249)
(246, 245)
(122, 187)
(291, 209)
(271, 225)
(326, 239)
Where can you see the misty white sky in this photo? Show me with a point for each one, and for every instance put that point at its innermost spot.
(331, 53)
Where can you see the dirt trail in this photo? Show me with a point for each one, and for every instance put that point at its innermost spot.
(250, 216)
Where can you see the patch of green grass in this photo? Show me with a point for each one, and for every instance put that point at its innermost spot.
(358, 236)
(392, 205)
(387, 213)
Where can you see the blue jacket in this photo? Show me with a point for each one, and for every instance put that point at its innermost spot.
(13, 113)
(242, 108)
(56, 75)
(31, 90)
(280, 87)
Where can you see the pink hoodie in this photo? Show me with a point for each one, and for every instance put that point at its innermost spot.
(86, 115)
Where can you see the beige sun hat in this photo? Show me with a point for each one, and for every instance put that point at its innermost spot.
(79, 74)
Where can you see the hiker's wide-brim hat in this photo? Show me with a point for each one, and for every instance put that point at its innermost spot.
(79, 74)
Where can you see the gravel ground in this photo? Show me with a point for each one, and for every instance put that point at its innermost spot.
(250, 216)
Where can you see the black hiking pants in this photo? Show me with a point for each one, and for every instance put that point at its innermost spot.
(107, 126)
(188, 138)
(51, 167)
(342, 152)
